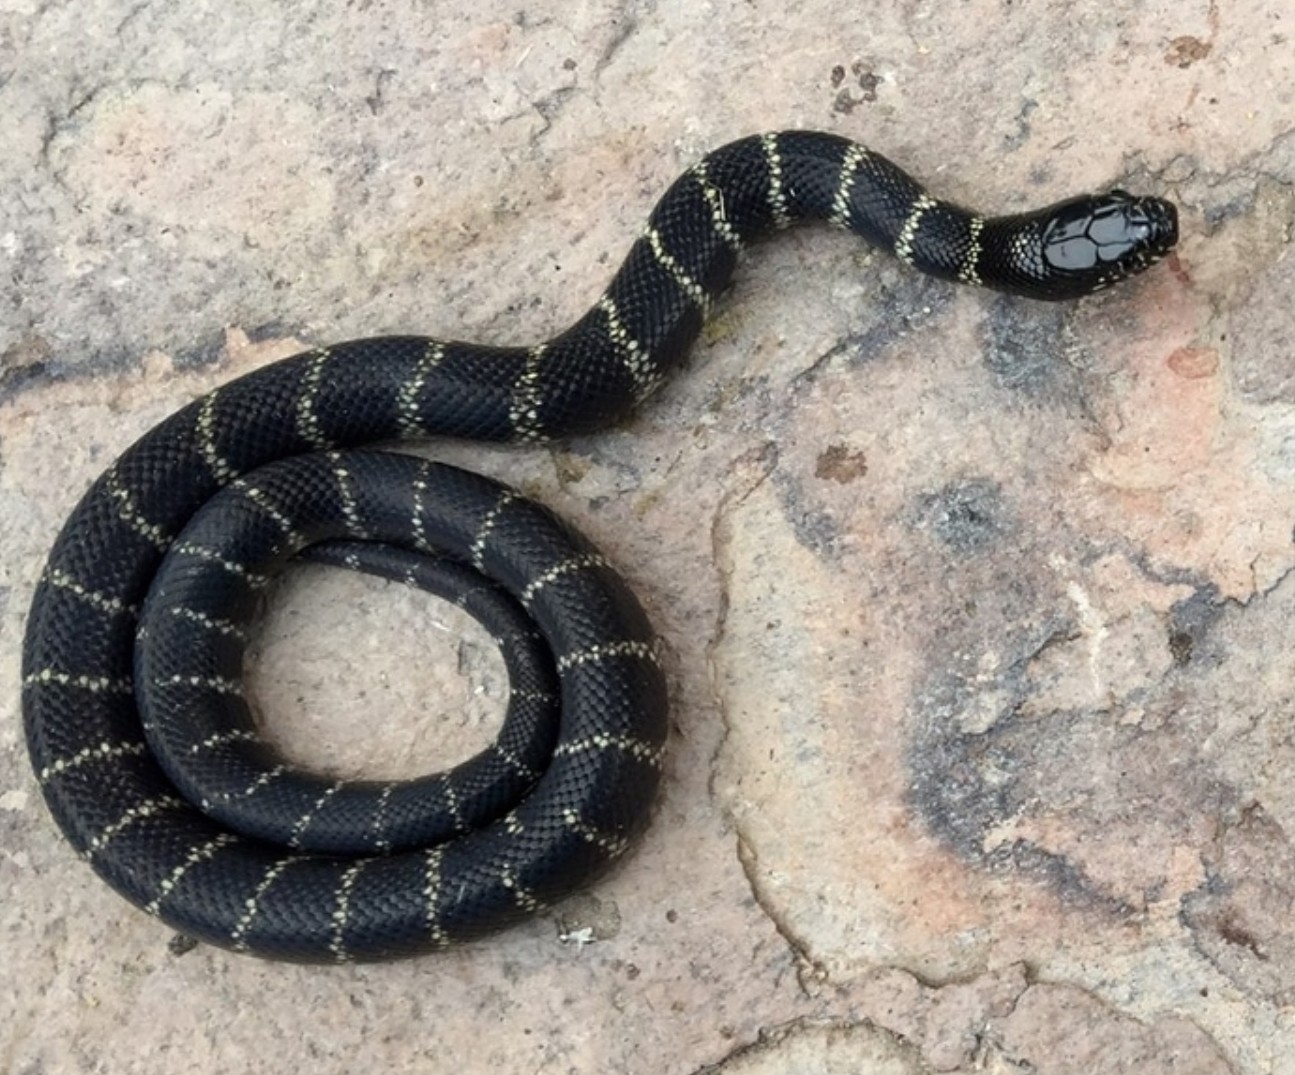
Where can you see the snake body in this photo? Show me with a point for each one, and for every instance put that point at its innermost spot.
(136, 725)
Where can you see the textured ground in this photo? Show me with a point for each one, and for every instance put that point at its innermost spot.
(978, 611)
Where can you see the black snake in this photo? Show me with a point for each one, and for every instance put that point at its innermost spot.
(132, 692)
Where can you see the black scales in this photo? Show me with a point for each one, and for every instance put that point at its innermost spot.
(132, 693)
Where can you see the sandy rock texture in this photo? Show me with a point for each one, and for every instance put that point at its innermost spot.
(978, 611)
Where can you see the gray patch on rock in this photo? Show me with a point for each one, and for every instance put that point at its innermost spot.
(1024, 128)
(914, 301)
(1260, 363)
(1023, 349)
(1189, 626)
(964, 782)
(961, 784)
(15, 380)
(964, 785)
(207, 351)
(1058, 873)
(968, 516)
(274, 330)
(905, 302)
(815, 528)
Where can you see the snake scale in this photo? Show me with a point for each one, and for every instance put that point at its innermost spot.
(135, 719)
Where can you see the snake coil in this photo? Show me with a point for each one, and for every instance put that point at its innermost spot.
(136, 724)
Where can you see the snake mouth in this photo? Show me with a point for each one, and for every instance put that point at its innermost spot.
(1162, 225)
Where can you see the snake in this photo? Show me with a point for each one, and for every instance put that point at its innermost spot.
(139, 730)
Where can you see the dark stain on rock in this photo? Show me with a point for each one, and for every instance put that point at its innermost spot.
(965, 784)
(994, 745)
(1187, 50)
(964, 779)
(1189, 624)
(181, 944)
(272, 330)
(1235, 933)
(1023, 126)
(845, 103)
(1068, 881)
(840, 464)
(862, 91)
(968, 516)
(377, 100)
(1238, 918)
(23, 365)
(961, 785)
(1180, 647)
(999, 740)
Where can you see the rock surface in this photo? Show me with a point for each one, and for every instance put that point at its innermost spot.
(978, 611)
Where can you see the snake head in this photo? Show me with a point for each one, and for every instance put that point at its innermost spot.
(1093, 241)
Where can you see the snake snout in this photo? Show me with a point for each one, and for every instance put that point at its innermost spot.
(1162, 224)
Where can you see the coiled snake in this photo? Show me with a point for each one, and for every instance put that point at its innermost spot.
(136, 725)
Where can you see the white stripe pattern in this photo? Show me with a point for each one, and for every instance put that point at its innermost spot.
(593, 744)
(129, 513)
(263, 780)
(969, 273)
(197, 854)
(718, 211)
(642, 650)
(104, 602)
(432, 896)
(253, 903)
(342, 912)
(93, 684)
(223, 627)
(638, 363)
(408, 417)
(262, 500)
(578, 563)
(418, 529)
(216, 463)
(613, 845)
(378, 824)
(211, 556)
(452, 802)
(308, 426)
(518, 766)
(350, 509)
(525, 900)
(86, 755)
(478, 551)
(850, 164)
(777, 191)
(220, 739)
(215, 684)
(524, 408)
(695, 292)
(539, 696)
(904, 244)
(303, 823)
(136, 813)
